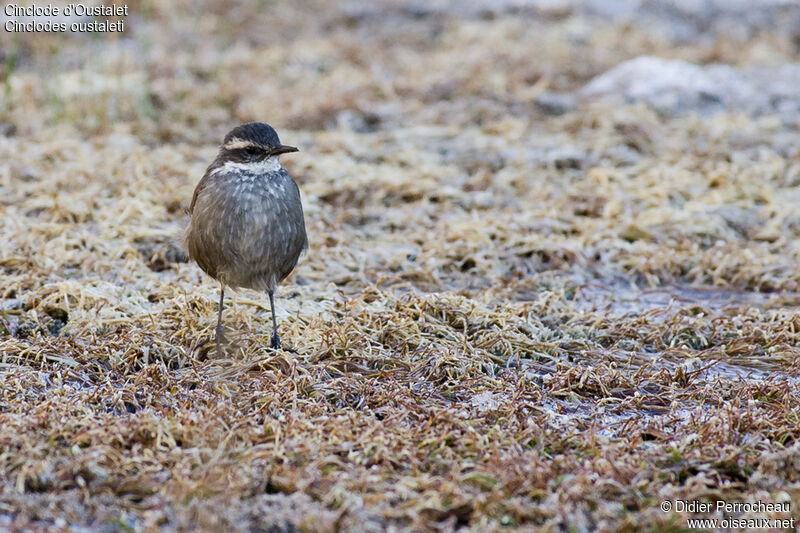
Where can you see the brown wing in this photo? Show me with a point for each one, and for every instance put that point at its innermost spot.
(203, 182)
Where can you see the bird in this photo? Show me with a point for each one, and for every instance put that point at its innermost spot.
(246, 227)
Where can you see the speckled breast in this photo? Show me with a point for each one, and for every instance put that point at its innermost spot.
(260, 230)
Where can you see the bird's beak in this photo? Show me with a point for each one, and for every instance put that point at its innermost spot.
(283, 149)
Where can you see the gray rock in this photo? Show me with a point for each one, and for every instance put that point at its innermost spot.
(677, 87)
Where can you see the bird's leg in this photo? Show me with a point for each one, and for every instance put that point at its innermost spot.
(220, 331)
(275, 344)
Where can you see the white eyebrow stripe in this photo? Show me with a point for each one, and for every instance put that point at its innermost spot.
(237, 143)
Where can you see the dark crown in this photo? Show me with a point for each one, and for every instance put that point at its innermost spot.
(256, 132)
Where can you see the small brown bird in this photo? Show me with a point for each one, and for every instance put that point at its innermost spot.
(247, 227)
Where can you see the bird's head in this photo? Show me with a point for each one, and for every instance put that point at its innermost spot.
(254, 143)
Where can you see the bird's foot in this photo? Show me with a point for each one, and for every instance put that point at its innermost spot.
(275, 342)
(275, 345)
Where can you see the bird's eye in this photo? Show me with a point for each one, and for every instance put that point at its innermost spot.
(252, 151)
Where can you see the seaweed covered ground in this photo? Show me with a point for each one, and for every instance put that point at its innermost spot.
(552, 279)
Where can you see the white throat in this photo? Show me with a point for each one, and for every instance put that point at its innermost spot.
(270, 164)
